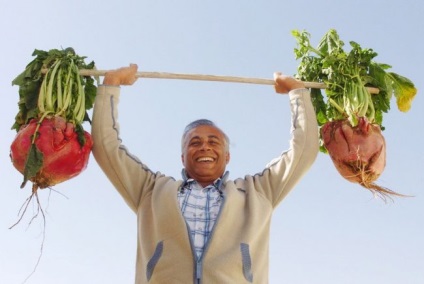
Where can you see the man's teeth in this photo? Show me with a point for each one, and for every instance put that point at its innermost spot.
(205, 159)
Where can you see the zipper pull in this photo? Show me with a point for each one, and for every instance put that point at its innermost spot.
(198, 271)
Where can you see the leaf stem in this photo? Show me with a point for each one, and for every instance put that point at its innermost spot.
(336, 105)
(49, 95)
(34, 136)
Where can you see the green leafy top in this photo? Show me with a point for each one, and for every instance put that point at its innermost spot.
(51, 85)
(346, 74)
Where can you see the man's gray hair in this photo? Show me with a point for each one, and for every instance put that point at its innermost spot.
(201, 122)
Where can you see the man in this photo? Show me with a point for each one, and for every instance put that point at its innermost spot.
(204, 228)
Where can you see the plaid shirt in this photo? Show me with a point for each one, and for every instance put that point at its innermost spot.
(200, 207)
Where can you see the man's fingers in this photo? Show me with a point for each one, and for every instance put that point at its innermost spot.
(279, 87)
(121, 76)
(276, 75)
(127, 75)
(134, 66)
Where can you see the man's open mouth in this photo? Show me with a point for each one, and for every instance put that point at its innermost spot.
(205, 159)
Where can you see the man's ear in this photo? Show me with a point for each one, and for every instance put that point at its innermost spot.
(182, 158)
(227, 157)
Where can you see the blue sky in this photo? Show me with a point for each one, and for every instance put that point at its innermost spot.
(326, 231)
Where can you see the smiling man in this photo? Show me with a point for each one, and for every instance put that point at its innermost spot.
(205, 227)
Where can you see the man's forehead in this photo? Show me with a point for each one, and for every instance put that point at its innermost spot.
(211, 136)
(203, 131)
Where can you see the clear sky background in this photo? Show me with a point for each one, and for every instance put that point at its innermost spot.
(327, 231)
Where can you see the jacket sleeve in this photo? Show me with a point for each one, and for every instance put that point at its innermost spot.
(130, 177)
(285, 171)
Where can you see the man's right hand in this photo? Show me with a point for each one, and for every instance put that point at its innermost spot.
(121, 76)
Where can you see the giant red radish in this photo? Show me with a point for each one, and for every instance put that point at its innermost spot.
(56, 140)
(51, 145)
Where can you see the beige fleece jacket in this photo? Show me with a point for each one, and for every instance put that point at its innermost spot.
(237, 251)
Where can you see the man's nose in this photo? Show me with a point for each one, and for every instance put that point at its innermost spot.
(205, 146)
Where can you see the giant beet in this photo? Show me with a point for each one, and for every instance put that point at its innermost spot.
(59, 152)
(358, 153)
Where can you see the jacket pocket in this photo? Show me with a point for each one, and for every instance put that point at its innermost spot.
(154, 260)
(247, 262)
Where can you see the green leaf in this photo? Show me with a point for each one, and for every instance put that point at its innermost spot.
(80, 134)
(33, 164)
(90, 92)
(404, 91)
(330, 43)
(319, 106)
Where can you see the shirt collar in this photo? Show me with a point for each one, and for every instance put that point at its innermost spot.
(217, 183)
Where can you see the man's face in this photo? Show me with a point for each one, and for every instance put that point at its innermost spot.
(205, 154)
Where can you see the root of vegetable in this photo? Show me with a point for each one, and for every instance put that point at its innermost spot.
(49, 152)
(358, 153)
